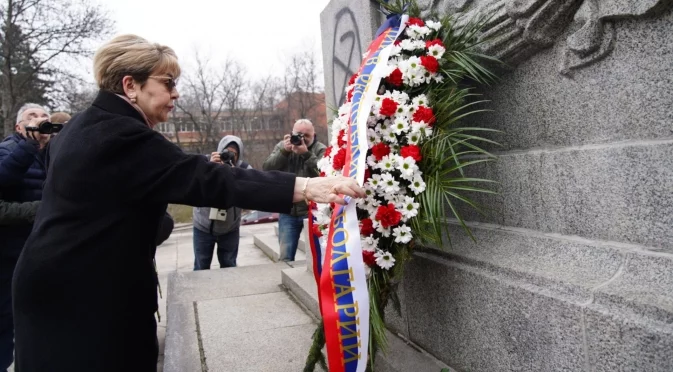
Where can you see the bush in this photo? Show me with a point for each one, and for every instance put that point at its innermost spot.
(180, 213)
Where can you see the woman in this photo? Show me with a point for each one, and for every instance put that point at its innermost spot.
(84, 288)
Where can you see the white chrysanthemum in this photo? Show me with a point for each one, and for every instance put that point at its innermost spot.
(400, 97)
(407, 167)
(416, 80)
(389, 184)
(410, 45)
(372, 206)
(436, 51)
(385, 260)
(420, 100)
(438, 78)
(414, 138)
(370, 192)
(387, 164)
(373, 137)
(383, 231)
(370, 244)
(411, 65)
(435, 26)
(408, 207)
(371, 161)
(417, 185)
(395, 50)
(400, 125)
(374, 182)
(389, 135)
(421, 128)
(417, 32)
(371, 121)
(402, 234)
(376, 105)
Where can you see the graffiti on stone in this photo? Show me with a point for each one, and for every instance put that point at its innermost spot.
(346, 51)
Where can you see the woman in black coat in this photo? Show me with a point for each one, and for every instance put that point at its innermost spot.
(85, 287)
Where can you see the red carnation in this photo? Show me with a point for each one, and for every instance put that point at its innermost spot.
(352, 79)
(322, 174)
(412, 151)
(424, 114)
(430, 43)
(380, 150)
(340, 141)
(339, 159)
(430, 63)
(397, 42)
(350, 95)
(388, 216)
(366, 227)
(316, 231)
(415, 21)
(388, 107)
(368, 174)
(395, 77)
(369, 258)
(327, 152)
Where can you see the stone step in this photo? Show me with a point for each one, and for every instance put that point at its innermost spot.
(402, 355)
(268, 243)
(301, 246)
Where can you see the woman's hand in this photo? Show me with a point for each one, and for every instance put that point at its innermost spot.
(327, 189)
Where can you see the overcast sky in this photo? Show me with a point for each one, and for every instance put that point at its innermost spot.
(259, 33)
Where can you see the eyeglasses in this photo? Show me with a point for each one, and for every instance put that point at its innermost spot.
(168, 81)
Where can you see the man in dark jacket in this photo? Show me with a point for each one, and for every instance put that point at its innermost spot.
(22, 173)
(302, 160)
(221, 226)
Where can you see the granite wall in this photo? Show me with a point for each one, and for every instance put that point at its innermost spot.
(573, 267)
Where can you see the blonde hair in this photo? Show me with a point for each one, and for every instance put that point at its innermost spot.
(133, 56)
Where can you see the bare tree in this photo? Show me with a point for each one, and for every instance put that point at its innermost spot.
(302, 94)
(206, 95)
(37, 37)
(263, 126)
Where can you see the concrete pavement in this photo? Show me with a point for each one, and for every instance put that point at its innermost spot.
(177, 255)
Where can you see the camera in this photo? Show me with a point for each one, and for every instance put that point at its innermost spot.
(228, 157)
(297, 139)
(46, 128)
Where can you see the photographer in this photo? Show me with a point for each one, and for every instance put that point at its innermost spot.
(221, 226)
(22, 173)
(297, 153)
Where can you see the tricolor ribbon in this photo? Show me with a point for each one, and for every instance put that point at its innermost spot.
(342, 283)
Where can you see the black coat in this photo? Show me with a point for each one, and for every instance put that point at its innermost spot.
(85, 287)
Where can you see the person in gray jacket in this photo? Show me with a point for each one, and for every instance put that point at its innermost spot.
(219, 226)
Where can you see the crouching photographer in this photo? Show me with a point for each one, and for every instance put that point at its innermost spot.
(219, 226)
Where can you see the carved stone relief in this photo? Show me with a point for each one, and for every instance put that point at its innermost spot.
(518, 29)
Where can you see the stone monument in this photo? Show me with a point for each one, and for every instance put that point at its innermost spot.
(573, 265)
